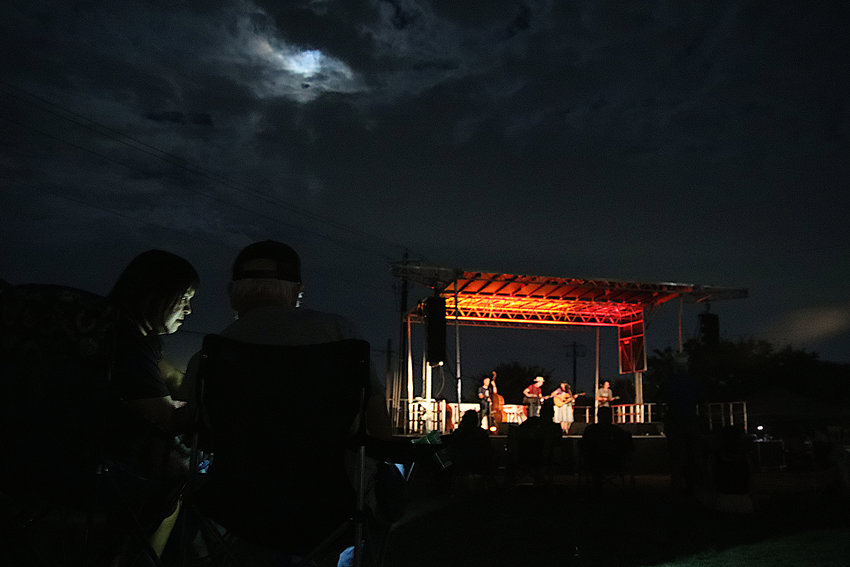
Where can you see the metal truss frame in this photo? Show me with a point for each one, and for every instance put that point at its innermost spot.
(538, 312)
(489, 299)
(508, 300)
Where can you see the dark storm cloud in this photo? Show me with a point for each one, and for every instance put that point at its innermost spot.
(670, 140)
(200, 118)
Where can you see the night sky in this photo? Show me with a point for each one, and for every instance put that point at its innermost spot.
(696, 142)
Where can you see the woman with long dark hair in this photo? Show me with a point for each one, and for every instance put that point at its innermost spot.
(152, 297)
(563, 399)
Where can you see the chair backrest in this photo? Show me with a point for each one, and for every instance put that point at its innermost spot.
(56, 352)
(282, 421)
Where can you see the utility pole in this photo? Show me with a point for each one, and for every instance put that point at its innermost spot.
(398, 417)
(574, 351)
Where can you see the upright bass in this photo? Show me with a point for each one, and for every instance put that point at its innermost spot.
(497, 403)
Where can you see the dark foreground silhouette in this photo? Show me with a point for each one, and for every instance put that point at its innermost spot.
(798, 514)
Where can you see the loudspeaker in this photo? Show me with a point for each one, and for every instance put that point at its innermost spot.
(435, 330)
(709, 328)
(577, 428)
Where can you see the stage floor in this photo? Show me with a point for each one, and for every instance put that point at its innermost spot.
(650, 457)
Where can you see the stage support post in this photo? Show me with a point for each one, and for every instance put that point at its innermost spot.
(457, 354)
(409, 379)
(393, 377)
(639, 395)
(429, 380)
(399, 414)
(596, 377)
(425, 369)
(681, 307)
(426, 393)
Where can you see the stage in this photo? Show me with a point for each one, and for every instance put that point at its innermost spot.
(650, 457)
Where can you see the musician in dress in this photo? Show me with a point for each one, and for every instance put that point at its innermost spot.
(534, 396)
(485, 399)
(564, 401)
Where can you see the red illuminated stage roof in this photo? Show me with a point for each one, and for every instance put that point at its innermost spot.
(508, 300)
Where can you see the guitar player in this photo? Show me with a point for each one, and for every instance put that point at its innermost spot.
(604, 395)
(564, 399)
(533, 396)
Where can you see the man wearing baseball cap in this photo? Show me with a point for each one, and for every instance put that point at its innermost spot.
(265, 292)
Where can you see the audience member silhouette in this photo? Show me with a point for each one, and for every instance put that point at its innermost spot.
(266, 293)
(101, 367)
(532, 445)
(152, 298)
(732, 470)
(606, 449)
(541, 426)
(469, 447)
(681, 394)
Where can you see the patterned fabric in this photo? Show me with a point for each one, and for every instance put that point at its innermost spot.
(45, 327)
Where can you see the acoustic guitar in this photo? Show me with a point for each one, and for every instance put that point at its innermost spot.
(563, 399)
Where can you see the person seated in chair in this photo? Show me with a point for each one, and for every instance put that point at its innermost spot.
(266, 291)
(532, 445)
(152, 298)
(469, 447)
(605, 448)
(93, 432)
(266, 294)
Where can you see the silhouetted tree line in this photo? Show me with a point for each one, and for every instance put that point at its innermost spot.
(731, 371)
(726, 371)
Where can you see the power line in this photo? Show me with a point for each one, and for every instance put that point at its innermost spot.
(199, 192)
(168, 157)
(148, 221)
(131, 167)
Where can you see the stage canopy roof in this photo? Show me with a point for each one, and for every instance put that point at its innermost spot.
(510, 300)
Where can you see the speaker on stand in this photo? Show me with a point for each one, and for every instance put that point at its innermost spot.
(435, 330)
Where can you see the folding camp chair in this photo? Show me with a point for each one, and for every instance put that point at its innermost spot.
(285, 433)
(57, 503)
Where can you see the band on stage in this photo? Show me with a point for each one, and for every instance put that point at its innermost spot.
(491, 404)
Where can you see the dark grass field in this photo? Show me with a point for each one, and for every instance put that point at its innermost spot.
(799, 518)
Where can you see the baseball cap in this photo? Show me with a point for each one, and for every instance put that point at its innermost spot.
(286, 260)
